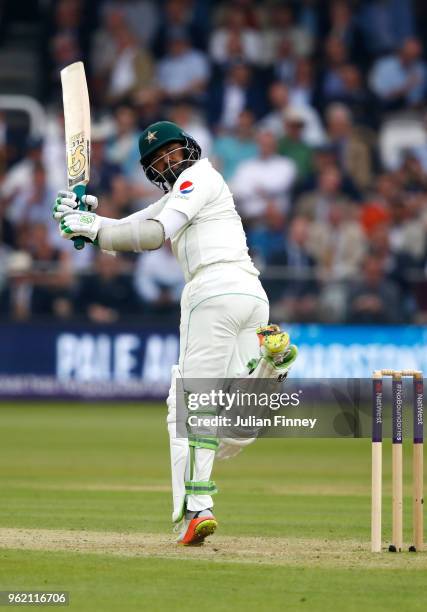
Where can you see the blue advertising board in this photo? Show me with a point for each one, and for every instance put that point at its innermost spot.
(350, 351)
(125, 362)
(86, 361)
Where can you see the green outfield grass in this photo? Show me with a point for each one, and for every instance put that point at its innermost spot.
(85, 507)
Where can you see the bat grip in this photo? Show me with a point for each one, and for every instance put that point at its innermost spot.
(79, 190)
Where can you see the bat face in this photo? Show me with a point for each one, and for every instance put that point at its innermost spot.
(78, 159)
(77, 131)
(77, 123)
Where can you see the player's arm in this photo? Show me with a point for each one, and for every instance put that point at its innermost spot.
(143, 230)
(140, 234)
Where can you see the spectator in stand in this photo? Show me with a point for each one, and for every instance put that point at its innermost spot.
(63, 49)
(192, 121)
(39, 278)
(142, 16)
(104, 51)
(279, 99)
(33, 203)
(106, 295)
(265, 235)
(234, 39)
(124, 198)
(15, 296)
(376, 209)
(3, 145)
(158, 281)
(132, 67)
(13, 141)
(102, 170)
(148, 105)
(411, 175)
(7, 232)
(316, 204)
(68, 17)
(51, 276)
(253, 12)
(178, 20)
(121, 197)
(65, 38)
(338, 242)
(398, 266)
(400, 80)
(385, 24)
(408, 245)
(285, 63)
(122, 147)
(356, 97)
(324, 158)
(283, 25)
(292, 146)
(352, 145)
(183, 73)
(295, 297)
(232, 148)
(408, 225)
(309, 17)
(338, 245)
(263, 183)
(331, 81)
(302, 88)
(229, 96)
(374, 298)
(343, 25)
(20, 176)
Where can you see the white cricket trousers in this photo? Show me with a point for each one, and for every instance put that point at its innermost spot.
(221, 308)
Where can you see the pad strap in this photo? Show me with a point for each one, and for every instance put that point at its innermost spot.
(209, 442)
(192, 487)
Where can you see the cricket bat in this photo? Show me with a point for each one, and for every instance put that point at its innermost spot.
(77, 132)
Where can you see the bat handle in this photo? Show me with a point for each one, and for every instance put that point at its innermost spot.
(79, 190)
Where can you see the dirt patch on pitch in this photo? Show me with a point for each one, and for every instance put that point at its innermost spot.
(278, 551)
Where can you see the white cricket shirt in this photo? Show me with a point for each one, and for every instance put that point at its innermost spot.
(214, 232)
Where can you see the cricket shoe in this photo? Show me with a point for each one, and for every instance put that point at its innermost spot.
(196, 527)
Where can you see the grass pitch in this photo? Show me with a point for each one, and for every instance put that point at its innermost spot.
(85, 507)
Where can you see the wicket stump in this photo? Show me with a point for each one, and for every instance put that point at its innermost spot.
(397, 459)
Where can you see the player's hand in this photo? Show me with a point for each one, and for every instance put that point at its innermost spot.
(66, 201)
(80, 223)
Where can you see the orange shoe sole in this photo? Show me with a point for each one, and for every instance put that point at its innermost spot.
(198, 529)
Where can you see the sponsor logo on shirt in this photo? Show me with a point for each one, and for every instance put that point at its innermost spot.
(186, 187)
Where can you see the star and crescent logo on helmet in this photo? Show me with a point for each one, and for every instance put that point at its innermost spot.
(186, 187)
(151, 136)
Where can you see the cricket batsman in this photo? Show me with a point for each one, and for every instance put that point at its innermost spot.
(224, 308)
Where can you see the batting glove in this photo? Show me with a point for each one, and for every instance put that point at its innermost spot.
(66, 201)
(80, 223)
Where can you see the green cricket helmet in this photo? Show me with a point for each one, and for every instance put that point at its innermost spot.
(156, 136)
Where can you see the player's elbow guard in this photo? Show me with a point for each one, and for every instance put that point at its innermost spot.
(135, 235)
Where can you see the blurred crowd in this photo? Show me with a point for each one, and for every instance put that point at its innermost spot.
(314, 111)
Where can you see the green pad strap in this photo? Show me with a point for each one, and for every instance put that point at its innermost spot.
(204, 412)
(206, 442)
(207, 487)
